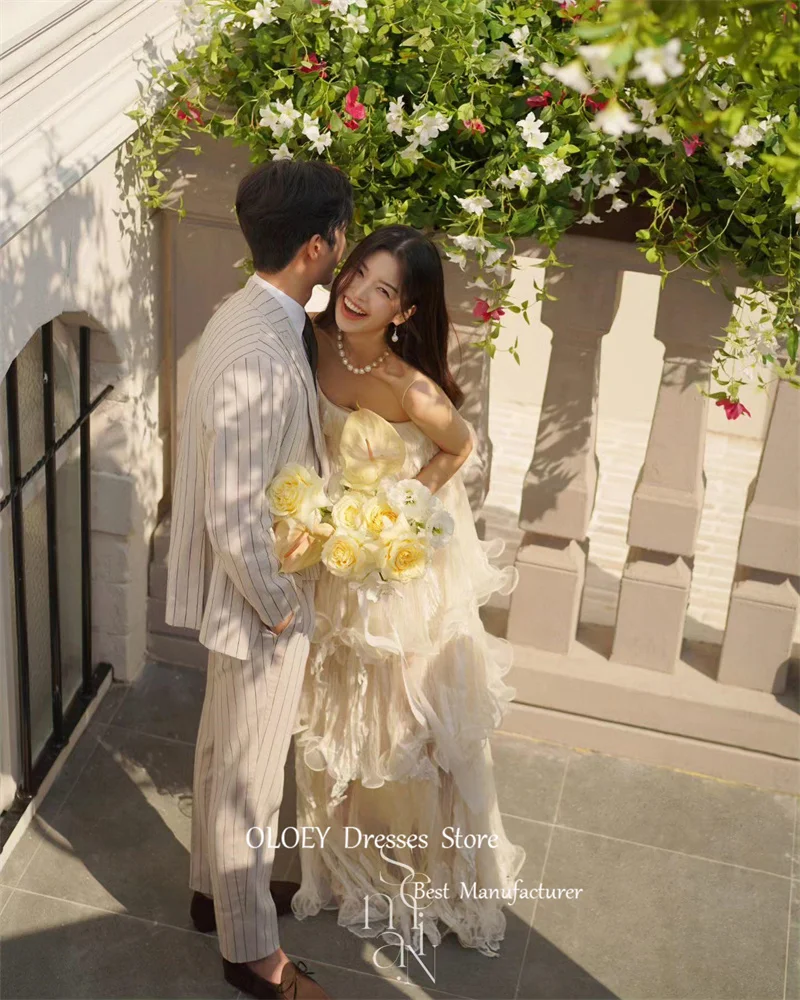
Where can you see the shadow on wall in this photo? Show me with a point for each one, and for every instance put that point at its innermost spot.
(91, 258)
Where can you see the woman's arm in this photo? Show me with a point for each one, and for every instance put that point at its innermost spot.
(431, 410)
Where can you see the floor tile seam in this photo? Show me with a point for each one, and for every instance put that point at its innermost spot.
(541, 876)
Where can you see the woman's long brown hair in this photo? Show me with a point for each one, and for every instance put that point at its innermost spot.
(424, 337)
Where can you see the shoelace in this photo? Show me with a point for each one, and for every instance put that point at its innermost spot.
(301, 967)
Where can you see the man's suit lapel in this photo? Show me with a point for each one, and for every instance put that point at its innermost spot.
(275, 315)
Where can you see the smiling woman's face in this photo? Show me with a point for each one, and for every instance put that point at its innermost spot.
(372, 299)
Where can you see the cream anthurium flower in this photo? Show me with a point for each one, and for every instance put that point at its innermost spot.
(296, 547)
(410, 497)
(347, 513)
(371, 449)
(345, 555)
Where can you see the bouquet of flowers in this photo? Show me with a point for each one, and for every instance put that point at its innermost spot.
(366, 525)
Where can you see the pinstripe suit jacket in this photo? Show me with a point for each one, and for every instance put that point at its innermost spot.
(251, 408)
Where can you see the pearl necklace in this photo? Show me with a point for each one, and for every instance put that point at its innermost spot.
(352, 368)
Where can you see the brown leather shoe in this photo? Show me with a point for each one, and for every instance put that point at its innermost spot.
(201, 909)
(296, 982)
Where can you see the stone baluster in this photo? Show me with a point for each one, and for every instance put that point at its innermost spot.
(764, 605)
(668, 499)
(559, 489)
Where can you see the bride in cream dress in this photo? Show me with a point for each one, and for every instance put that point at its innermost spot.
(402, 693)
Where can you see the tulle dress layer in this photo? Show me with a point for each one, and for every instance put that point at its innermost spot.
(399, 700)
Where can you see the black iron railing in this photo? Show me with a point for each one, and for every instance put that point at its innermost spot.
(64, 719)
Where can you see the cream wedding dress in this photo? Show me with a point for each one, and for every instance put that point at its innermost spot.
(399, 699)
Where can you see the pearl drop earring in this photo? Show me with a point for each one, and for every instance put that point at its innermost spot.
(395, 335)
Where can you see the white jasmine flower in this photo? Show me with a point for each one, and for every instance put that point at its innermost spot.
(339, 7)
(281, 153)
(262, 13)
(571, 75)
(475, 243)
(748, 135)
(394, 116)
(617, 205)
(430, 126)
(287, 114)
(612, 184)
(269, 119)
(411, 152)
(520, 35)
(659, 132)
(357, 23)
(576, 193)
(588, 219)
(647, 109)
(737, 158)
(533, 131)
(493, 256)
(319, 140)
(614, 120)
(596, 57)
(474, 204)
(522, 177)
(498, 59)
(553, 168)
(766, 123)
(721, 99)
(457, 258)
(657, 65)
(504, 181)
(727, 60)
(587, 177)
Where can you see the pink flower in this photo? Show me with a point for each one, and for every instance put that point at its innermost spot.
(484, 313)
(474, 125)
(321, 3)
(539, 100)
(352, 125)
(356, 111)
(313, 64)
(189, 113)
(733, 409)
(692, 144)
(589, 101)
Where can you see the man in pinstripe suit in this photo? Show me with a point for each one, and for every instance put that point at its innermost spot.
(251, 408)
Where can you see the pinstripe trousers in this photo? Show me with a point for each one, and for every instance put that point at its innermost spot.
(245, 729)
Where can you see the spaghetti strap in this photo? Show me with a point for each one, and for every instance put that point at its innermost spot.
(403, 397)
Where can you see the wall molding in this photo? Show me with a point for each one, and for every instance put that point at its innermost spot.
(64, 109)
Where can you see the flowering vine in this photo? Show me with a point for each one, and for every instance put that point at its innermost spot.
(525, 118)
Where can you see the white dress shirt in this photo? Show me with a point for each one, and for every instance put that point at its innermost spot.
(293, 309)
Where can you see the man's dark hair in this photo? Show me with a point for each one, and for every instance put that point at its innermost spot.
(282, 204)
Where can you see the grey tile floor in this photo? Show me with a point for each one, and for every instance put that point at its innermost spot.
(691, 886)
